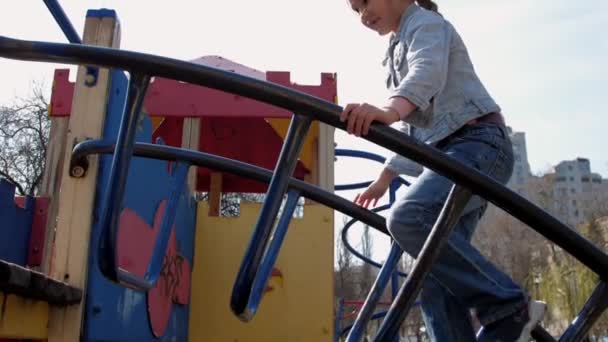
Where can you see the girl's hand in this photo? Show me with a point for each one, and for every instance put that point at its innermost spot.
(373, 192)
(361, 116)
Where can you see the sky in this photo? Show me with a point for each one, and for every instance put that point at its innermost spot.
(544, 61)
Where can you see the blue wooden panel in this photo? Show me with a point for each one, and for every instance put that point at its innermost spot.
(15, 225)
(114, 313)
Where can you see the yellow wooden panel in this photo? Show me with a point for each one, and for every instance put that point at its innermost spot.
(299, 308)
(307, 156)
(156, 121)
(22, 318)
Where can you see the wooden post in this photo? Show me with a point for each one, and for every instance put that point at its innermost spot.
(190, 139)
(325, 157)
(76, 199)
(215, 194)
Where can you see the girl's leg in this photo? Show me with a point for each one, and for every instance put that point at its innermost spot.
(460, 267)
(439, 306)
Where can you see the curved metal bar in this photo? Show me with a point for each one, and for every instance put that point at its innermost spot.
(449, 215)
(352, 186)
(590, 313)
(326, 112)
(272, 252)
(365, 155)
(63, 21)
(284, 168)
(355, 252)
(374, 317)
(360, 154)
(113, 202)
(162, 152)
(374, 295)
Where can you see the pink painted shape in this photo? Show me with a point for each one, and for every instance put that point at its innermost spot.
(135, 243)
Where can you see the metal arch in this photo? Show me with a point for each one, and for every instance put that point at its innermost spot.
(326, 112)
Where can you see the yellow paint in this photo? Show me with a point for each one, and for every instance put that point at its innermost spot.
(307, 156)
(156, 121)
(22, 318)
(299, 308)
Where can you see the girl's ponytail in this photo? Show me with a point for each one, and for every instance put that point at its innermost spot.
(428, 4)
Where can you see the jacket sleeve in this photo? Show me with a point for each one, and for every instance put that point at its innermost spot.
(427, 38)
(400, 164)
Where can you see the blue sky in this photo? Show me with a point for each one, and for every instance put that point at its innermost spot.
(544, 61)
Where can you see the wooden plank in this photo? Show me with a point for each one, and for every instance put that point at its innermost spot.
(190, 140)
(215, 194)
(30, 284)
(76, 199)
(22, 318)
(51, 181)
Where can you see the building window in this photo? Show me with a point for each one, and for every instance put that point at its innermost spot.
(573, 202)
(572, 190)
(572, 179)
(585, 179)
(576, 213)
(570, 167)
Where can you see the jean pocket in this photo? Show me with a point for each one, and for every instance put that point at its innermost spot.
(485, 154)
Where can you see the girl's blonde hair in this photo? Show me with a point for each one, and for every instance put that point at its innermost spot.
(428, 4)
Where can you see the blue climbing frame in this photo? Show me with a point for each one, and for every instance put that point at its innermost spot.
(306, 108)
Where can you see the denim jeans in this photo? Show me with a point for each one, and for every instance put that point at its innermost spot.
(461, 279)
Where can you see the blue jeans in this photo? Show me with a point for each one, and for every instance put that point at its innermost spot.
(461, 279)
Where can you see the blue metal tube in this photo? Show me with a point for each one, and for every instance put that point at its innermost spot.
(113, 201)
(285, 166)
(270, 257)
(178, 182)
(590, 313)
(452, 209)
(375, 316)
(353, 186)
(63, 21)
(338, 320)
(374, 295)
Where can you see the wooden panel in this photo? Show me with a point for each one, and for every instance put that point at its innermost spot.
(300, 305)
(23, 318)
(77, 196)
(190, 139)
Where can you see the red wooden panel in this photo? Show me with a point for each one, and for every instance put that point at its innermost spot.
(168, 98)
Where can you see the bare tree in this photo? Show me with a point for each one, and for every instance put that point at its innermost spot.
(367, 245)
(24, 137)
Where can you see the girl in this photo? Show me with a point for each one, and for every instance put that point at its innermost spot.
(438, 98)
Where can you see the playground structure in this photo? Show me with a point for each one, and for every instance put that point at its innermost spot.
(135, 258)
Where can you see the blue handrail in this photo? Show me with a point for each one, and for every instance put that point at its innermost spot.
(270, 257)
(250, 266)
(113, 201)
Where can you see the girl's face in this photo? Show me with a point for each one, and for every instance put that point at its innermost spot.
(381, 16)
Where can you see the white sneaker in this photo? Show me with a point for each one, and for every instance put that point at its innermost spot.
(536, 312)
